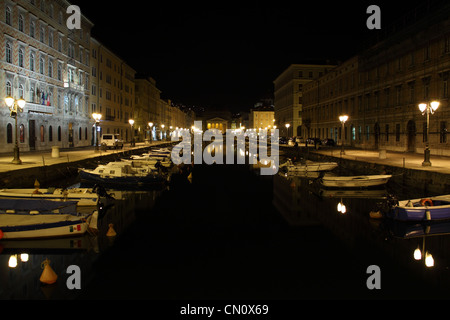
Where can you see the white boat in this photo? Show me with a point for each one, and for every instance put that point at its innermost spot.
(355, 181)
(121, 172)
(37, 218)
(308, 166)
(84, 196)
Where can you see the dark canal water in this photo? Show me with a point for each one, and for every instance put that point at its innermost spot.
(233, 234)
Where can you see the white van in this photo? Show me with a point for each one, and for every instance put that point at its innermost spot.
(111, 141)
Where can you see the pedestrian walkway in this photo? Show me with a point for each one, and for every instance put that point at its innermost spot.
(44, 158)
(408, 160)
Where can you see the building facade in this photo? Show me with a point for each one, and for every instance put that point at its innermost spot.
(262, 118)
(112, 91)
(48, 65)
(288, 95)
(381, 88)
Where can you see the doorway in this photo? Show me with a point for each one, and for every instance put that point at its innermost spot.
(32, 134)
(411, 129)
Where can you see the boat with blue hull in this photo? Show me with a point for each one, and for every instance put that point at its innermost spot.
(32, 219)
(424, 209)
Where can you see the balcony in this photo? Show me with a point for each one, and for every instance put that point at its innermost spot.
(38, 108)
(74, 86)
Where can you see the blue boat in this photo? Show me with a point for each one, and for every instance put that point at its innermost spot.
(424, 209)
(30, 219)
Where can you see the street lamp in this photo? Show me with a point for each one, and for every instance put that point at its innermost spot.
(287, 128)
(342, 119)
(15, 106)
(131, 122)
(150, 124)
(97, 117)
(428, 108)
(163, 132)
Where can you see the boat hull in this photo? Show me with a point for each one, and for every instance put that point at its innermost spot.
(323, 166)
(355, 181)
(83, 197)
(414, 210)
(127, 180)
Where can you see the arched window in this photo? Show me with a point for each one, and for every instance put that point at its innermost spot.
(32, 61)
(22, 133)
(21, 24)
(8, 15)
(85, 134)
(21, 91)
(41, 65)
(8, 53)
(42, 134)
(50, 133)
(32, 29)
(8, 89)
(9, 138)
(59, 133)
(21, 57)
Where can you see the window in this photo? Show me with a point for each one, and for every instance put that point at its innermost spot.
(50, 133)
(21, 24)
(443, 132)
(41, 65)
(22, 133)
(32, 29)
(59, 72)
(50, 69)
(8, 89)
(367, 133)
(8, 53)
(8, 15)
(9, 138)
(42, 134)
(21, 57)
(397, 132)
(59, 133)
(32, 61)
(387, 132)
(41, 34)
(21, 95)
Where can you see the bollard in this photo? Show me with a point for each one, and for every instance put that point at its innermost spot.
(55, 152)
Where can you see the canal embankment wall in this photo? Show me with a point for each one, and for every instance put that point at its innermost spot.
(50, 174)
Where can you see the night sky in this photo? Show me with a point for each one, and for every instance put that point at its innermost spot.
(226, 54)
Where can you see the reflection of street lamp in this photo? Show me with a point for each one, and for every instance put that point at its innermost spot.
(287, 128)
(150, 124)
(428, 108)
(15, 106)
(429, 260)
(97, 117)
(131, 121)
(342, 119)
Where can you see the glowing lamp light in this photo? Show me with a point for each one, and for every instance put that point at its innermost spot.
(343, 118)
(417, 254)
(434, 105)
(429, 261)
(131, 122)
(9, 101)
(422, 107)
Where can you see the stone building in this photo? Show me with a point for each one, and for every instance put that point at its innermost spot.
(381, 88)
(48, 65)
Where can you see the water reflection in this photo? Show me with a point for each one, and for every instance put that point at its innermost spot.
(416, 253)
(21, 260)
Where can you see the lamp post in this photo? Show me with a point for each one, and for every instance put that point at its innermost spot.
(150, 125)
(342, 119)
(428, 108)
(163, 133)
(131, 122)
(97, 117)
(15, 106)
(287, 128)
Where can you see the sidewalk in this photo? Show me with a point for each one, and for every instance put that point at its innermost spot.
(33, 159)
(408, 160)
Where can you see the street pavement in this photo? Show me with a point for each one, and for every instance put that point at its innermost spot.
(40, 158)
(408, 160)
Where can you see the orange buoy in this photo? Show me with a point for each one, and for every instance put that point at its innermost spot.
(48, 276)
(111, 232)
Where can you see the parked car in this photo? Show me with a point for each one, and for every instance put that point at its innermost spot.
(328, 142)
(282, 140)
(314, 141)
(110, 141)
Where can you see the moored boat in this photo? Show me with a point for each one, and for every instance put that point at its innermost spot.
(83, 196)
(424, 209)
(308, 166)
(38, 218)
(355, 181)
